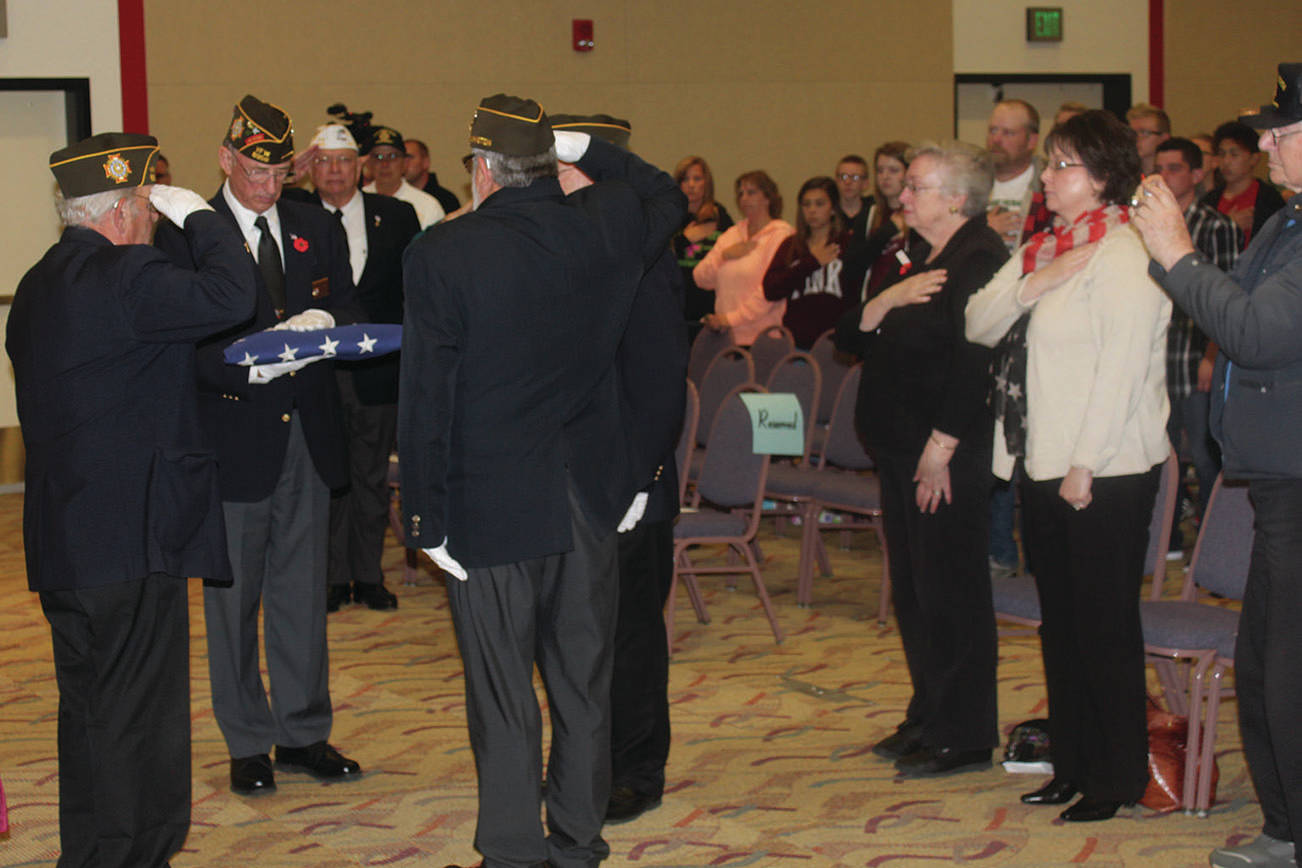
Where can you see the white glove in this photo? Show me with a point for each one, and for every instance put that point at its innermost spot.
(446, 562)
(176, 203)
(267, 373)
(309, 320)
(571, 146)
(634, 514)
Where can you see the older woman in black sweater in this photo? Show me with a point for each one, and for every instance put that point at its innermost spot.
(922, 409)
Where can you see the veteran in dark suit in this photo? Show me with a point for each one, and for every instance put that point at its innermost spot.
(651, 374)
(514, 314)
(378, 229)
(281, 449)
(121, 497)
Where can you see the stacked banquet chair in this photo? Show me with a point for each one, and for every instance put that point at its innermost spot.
(1191, 643)
(840, 481)
(724, 509)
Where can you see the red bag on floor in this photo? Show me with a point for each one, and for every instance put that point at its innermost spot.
(1167, 749)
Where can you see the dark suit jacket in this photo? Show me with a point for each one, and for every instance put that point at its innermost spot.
(390, 226)
(514, 314)
(248, 424)
(120, 482)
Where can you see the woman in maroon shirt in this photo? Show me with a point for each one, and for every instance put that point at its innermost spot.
(817, 270)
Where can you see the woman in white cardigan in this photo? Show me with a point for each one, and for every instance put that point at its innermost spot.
(1081, 402)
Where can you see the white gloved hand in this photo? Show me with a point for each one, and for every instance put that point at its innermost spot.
(267, 373)
(176, 203)
(446, 562)
(634, 514)
(309, 320)
(570, 145)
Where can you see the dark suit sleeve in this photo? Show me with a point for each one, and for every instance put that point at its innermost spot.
(167, 302)
(431, 356)
(663, 205)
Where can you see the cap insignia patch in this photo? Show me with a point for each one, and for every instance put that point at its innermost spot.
(117, 169)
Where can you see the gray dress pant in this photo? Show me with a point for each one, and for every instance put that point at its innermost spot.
(558, 611)
(277, 548)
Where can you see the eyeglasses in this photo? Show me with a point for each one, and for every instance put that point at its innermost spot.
(915, 189)
(346, 160)
(847, 176)
(1276, 135)
(1060, 165)
(384, 158)
(1147, 133)
(259, 176)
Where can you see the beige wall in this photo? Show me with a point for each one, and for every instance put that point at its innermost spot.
(763, 83)
(1101, 36)
(1217, 63)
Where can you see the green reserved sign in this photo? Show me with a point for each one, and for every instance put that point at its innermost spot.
(776, 422)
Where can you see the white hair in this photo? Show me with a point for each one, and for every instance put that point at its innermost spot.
(84, 210)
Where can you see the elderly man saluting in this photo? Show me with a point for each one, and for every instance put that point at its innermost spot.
(122, 499)
(1255, 314)
(514, 313)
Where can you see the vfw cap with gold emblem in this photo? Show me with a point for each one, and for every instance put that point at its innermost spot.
(512, 126)
(108, 161)
(261, 131)
(1286, 108)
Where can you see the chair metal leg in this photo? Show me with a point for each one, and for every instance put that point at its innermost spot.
(1174, 686)
(762, 592)
(688, 578)
(1193, 741)
(1216, 688)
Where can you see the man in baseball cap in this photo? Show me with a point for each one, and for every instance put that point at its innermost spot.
(1254, 314)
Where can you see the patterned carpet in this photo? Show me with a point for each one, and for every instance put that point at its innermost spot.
(770, 763)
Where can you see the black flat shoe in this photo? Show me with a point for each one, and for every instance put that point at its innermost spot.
(939, 762)
(374, 596)
(252, 775)
(319, 760)
(906, 739)
(1089, 810)
(1055, 792)
(628, 804)
(336, 596)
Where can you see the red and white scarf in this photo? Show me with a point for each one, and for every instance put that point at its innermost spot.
(1048, 244)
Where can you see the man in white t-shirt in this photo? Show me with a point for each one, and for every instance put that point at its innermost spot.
(1011, 137)
(386, 153)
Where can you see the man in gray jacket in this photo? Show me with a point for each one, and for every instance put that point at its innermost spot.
(1255, 314)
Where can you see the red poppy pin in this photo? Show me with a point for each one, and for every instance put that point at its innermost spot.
(300, 244)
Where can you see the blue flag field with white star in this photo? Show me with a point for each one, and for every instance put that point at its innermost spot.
(357, 341)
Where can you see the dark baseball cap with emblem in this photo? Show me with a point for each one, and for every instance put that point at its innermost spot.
(382, 136)
(1286, 108)
(108, 161)
(613, 130)
(261, 131)
(511, 125)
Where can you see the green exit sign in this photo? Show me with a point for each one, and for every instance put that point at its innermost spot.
(1044, 24)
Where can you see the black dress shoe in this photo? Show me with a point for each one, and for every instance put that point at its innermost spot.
(906, 739)
(628, 804)
(336, 596)
(1089, 810)
(374, 596)
(1055, 792)
(252, 775)
(939, 762)
(319, 760)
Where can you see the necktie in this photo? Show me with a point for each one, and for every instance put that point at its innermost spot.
(269, 265)
(339, 215)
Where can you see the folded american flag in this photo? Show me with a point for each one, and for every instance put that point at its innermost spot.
(358, 341)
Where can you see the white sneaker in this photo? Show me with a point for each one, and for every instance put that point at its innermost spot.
(1263, 852)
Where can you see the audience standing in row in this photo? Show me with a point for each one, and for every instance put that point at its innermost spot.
(706, 221)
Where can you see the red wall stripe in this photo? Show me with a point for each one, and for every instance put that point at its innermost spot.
(1156, 53)
(131, 45)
